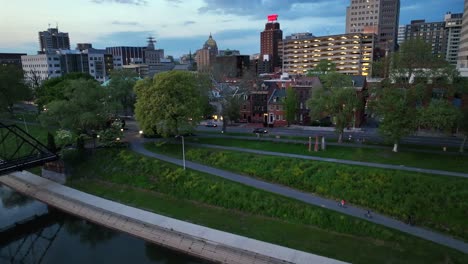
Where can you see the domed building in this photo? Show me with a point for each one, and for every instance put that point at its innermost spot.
(206, 56)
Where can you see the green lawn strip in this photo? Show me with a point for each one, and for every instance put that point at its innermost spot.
(457, 163)
(307, 238)
(438, 202)
(11, 144)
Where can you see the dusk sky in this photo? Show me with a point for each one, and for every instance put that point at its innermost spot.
(182, 25)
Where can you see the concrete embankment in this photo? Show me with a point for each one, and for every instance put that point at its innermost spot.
(185, 237)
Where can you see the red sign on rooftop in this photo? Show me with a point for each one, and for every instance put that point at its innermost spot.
(272, 18)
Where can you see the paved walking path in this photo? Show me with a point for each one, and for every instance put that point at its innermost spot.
(192, 239)
(340, 161)
(137, 146)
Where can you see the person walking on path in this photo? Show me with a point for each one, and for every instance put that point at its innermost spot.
(343, 203)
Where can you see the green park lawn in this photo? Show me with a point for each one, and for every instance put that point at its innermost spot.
(192, 196)
(450, 162)
(434, 201)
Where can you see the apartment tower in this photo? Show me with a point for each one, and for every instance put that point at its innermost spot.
(269, 39)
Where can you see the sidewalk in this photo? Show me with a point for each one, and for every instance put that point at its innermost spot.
(137, 146)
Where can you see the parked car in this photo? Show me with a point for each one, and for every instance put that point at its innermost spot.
(211, 124)
(260, 131)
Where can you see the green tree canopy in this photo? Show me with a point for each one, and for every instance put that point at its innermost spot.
(83, 106)
(338, 99)
(396, 114)
(12, 87)
(53, 89)
(171, 103)
(290, 104)
(121, 89)
(322, 68)
(440, 114)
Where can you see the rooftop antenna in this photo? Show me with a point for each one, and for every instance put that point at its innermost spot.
(56, 25)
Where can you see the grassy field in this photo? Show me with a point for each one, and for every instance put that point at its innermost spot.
(457, 163)
(437, 202)
(207, 200)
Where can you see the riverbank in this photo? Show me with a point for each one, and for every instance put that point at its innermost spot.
(189, 238)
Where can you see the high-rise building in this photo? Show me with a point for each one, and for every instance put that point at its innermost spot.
(352, 53)
(52, 39)
(443, 36)
(453, 24)
(206, 56)
(269, 39)
(462, 63)
(431, 32)
(380, 17)
(128, 55)
(73, 61)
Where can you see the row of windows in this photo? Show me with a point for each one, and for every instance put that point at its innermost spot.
(364, 13)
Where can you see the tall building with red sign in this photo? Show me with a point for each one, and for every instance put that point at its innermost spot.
(269, 39)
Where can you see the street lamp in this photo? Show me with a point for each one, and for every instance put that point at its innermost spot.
(183, 149)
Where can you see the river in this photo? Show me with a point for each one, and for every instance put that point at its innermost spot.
(57, 237)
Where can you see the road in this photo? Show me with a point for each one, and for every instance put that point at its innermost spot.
(369, 134)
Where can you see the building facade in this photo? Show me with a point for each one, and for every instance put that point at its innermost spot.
(11, 59)
(100, 64)
(152, 55)
(232, 66)
(431, 32)
(128, 55)
(38, 68)
(352, 53)
(206, 56)
(379, 17)
(462, 61)
(453, 24)
(401, 34)
(269, 39)
(52, 39)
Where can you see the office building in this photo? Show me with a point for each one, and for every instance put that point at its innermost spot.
(128, 55)
(100, 64)
(352, 53)
(228, 52)
(52, 39)
(233, 66)
(379, 17)
(83, 46)
(269, 39)
(11, 59)
(152, 55)
(38, 68)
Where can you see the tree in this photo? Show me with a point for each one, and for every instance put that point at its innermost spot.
(121, 89)
(463, 126)
(82, 108)
(231, 109)
(439, 114)
(53, 89)
(12, 87)
(338, 99)
(171, 103)
(290, 104)
(397, 115)
(322, 68)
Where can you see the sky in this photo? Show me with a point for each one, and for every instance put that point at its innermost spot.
(180, 26)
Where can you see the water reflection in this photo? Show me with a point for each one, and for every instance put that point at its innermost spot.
(55, 237)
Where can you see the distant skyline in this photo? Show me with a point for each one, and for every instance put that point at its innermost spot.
(181, 25)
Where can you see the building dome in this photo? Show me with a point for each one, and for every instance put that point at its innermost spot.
(210, 43)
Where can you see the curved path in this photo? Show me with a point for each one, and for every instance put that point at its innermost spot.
(136, 145)
(341, 161)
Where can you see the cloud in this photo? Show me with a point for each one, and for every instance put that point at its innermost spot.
(260, 8)
(128, 2)
(186, 23)
(125, 23)
(124, 38)
(174, 2)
